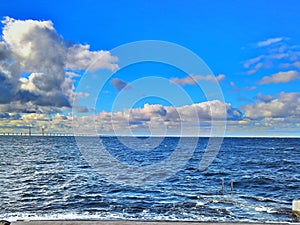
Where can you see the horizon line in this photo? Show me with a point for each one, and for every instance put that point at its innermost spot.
(143, 136)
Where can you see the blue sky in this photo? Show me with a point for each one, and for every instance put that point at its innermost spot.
(252, 47)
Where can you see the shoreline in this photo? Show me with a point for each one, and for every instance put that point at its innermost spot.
(135, 222)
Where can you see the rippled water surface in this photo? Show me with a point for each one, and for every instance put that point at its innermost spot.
(48, 178)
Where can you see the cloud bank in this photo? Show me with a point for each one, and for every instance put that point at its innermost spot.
(156, 119)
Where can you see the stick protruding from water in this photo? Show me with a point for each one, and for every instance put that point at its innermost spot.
(222, 189)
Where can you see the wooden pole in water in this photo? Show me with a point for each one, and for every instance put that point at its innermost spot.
(231, 187)
(223, 184)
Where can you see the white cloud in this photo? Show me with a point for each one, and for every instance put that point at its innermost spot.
(286, 105)
(193, 79)
(256, 68)
(235, 88)
(80, 57)
(34, 47)
(287, 65)
(252, 61)
(276, 52)
(280, 77)
(269, 41)
(72, 74)
(297, 64)
(17, 33)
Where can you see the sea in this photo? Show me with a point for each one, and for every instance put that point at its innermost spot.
(50, 178)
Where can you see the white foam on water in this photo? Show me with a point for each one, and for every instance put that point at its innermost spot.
(146, 216)
(200, 203)
(264, 209)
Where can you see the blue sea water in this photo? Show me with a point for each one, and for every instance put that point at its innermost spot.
(48, 178)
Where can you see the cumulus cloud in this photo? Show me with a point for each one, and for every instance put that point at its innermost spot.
(120, 84)
(280, 77)
(204, 111)
(80, 57)
(286, 105)
(33, 63)
(193, 79)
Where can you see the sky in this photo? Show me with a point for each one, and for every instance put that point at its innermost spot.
(67, 66)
